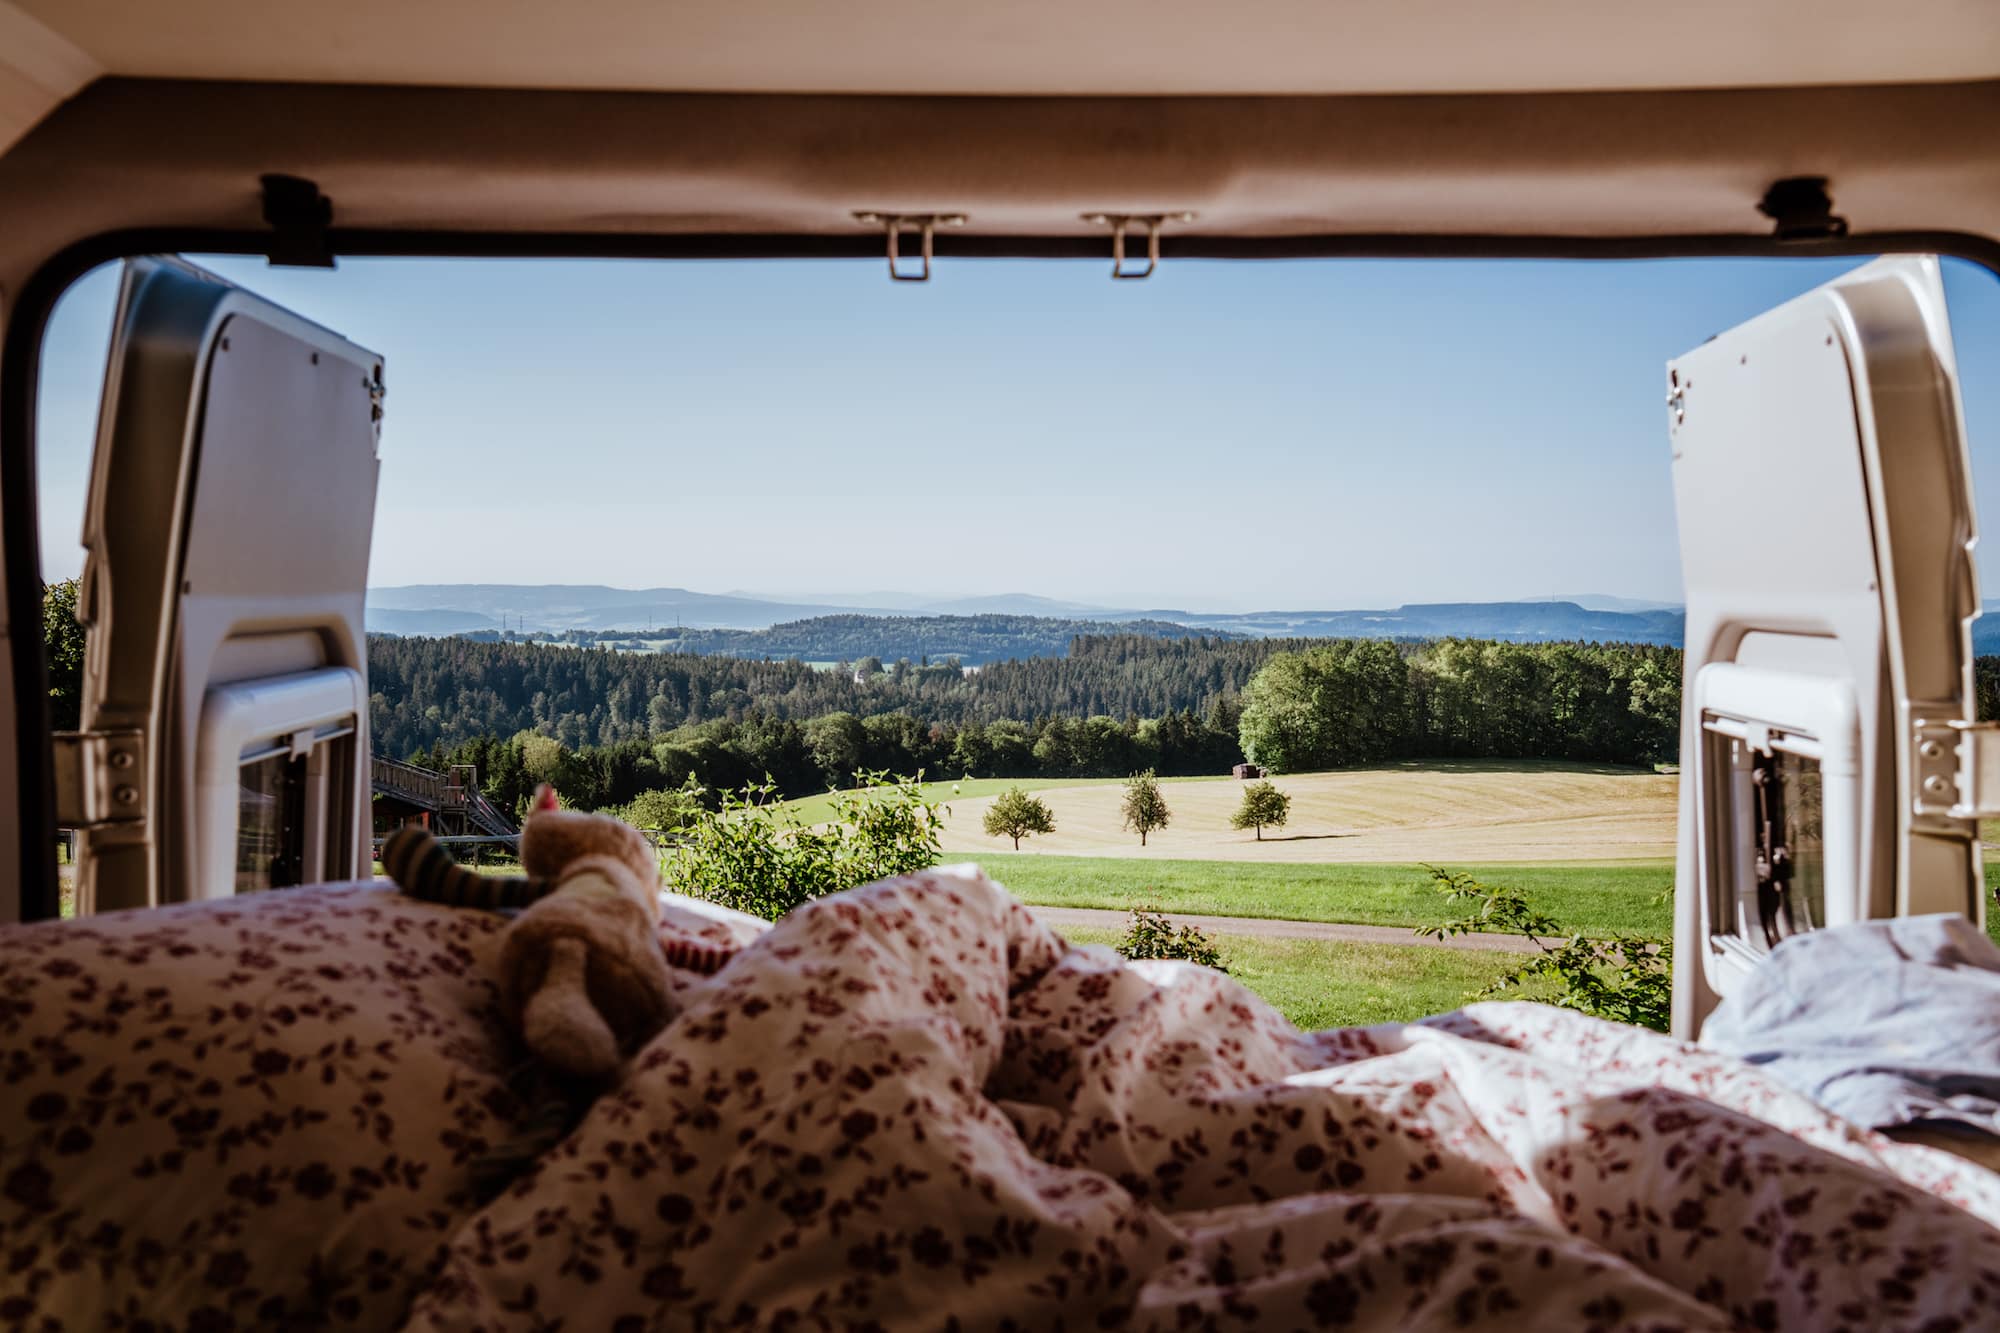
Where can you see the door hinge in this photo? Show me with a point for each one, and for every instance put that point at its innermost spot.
(100, 778)
(1956, 768)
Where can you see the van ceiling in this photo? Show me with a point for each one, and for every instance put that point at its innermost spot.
(1040, 46)
(647, 118)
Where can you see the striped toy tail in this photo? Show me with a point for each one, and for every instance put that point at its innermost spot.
(423, 868)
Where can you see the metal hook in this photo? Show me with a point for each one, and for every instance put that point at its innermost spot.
(1119, 222)
(895, 224)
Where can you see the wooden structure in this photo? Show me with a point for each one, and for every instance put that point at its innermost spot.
(448, 804)
(1246, 771)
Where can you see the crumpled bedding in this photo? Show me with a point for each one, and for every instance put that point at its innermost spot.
(1884, 1023)
(913, 1106)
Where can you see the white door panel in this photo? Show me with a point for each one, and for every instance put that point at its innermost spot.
(227, 531)
(1826, 531)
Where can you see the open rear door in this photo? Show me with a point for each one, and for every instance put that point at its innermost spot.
(1829, 768)
(225, 703)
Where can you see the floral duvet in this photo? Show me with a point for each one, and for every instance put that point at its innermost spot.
(913, 1106)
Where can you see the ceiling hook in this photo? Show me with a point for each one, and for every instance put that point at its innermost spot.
(1120, 223)
(894, 225)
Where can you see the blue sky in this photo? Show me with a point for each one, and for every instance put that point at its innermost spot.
(1222, 436)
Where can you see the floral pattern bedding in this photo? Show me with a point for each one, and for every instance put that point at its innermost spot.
(908, 1106)
(912, 1106)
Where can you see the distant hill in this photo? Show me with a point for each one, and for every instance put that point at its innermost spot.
(455, 608)
(435, 624)
(973, 640)
(558, 607)
(1597, 601)
(1514, 622)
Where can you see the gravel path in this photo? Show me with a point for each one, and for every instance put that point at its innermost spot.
(1264, 928)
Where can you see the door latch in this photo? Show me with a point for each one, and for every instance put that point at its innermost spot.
(100, 778)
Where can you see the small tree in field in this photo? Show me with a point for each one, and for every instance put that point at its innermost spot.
(1262, 804)
(1145, 809)
(1015, 814)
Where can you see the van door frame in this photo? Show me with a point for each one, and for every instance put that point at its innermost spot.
(27, 839)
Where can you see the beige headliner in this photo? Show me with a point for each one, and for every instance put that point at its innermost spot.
(1041, 46)
(137, 153)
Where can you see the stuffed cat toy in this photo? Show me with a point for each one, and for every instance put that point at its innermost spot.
(583, 975)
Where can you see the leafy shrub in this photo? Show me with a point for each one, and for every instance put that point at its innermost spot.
(665, 809)
(759, 857)
(1152, 935)
(1626, 978)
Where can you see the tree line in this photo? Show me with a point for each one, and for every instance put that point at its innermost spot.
(851, 637)
(430, 692)
(1293, 706)
(1357, 701)
(803, 758)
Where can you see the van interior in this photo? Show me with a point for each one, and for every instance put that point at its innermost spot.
(914, 1103)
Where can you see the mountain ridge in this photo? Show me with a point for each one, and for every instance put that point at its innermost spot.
(661, 613)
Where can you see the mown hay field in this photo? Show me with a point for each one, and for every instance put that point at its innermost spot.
(1432, 812)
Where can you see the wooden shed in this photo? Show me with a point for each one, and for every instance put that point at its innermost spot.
(1246, 771)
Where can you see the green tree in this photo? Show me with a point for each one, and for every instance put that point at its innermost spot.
(1262, 804)
(1345, 702)
(62, 637)
(836, 740)
(1145, 809)
(666, 809)
(1015, 814)
(542, 757)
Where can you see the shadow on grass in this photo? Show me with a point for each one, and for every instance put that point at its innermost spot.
(1300, 837)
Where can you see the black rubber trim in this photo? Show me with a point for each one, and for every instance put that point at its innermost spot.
(20, 537)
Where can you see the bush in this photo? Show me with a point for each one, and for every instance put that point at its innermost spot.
(1627, 978)
(1152, 935)
(665, 809)
(758, 857)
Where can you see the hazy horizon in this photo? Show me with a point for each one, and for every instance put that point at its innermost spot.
(903, 600)
(1228, 437)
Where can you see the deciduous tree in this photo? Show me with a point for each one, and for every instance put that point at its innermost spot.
(1262, 804)
(63, 637)
(1145, 809)
(1015, 814)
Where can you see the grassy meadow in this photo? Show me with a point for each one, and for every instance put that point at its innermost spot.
(1335, 983)
(1596, 897)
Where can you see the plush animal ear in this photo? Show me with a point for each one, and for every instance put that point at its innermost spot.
(545, 797)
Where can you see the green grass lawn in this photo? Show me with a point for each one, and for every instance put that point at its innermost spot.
(1599, 897)
(1333, 983)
